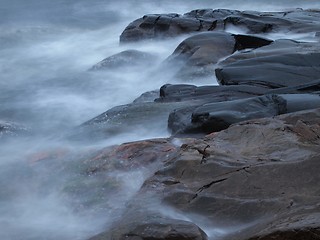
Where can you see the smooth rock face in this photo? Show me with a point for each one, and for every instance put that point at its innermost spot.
(134, 117)
(196, 55)
(283, 63)
(170, 25)
(128, 58)
(157, 229)
(214, 117)
(217, 115)
(184, 92)
(255, 180)
(256, 175)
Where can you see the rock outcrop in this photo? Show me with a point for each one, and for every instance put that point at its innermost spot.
(170, 25)
(243, 160)
(126, 59)
(283, 63)
(257, 179)
(196, 56)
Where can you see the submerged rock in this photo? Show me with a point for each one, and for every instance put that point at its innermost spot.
(128, 58)
(139, 117)
(10, 129)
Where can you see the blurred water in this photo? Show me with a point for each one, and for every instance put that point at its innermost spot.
(46, 48)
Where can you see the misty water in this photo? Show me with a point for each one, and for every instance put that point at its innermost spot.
(46, 48)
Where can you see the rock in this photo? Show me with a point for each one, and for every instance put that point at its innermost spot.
(302, 226)
(196, 55)
(11, 129)
(184, 92)
(142, 117)
(147, 97)
(128, 59)
(257, 179)
(129, 156)
(158, 229)
(214, 117)
(299, 102)
(311, 87)
(283, 63)
(171, 25)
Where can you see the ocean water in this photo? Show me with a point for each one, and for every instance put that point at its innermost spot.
(46, 48)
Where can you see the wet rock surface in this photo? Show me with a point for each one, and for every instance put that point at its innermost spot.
(126, 59)
(241, 183)
(170, 25)
(196, 56)
(283, 63)
(242, 162)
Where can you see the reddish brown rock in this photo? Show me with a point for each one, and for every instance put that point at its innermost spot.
(256, 180)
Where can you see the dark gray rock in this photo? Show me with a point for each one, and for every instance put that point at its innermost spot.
(157, 229)
(128, 58)
(196, 56)
(140, 117)
(214, 117)
(311, 87)
(283, 63)
(147, 97)
(184, 92)
(170, 25)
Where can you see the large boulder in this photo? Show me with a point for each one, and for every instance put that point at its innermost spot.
(185, 92)
(256, 180)
(283, 63)
(196, 56)
(170, 25)
(215, 116)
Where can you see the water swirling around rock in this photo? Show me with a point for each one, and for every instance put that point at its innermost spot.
(66, 174)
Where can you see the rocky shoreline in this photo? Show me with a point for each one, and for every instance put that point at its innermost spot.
(255, 176)
(243, 160)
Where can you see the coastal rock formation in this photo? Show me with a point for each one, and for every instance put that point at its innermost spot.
(216, 116)
(242, 162)
(126, 59)
(283, 63)
(241, 183)
(170, 25)
(196, 55)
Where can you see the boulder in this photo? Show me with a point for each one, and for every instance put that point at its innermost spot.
(256, 180)
(284, 63)
(127, 59)
(171, 25)
(185, 92)
(196, 55)
(141, 118)
(149, 96)
(215, 116)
